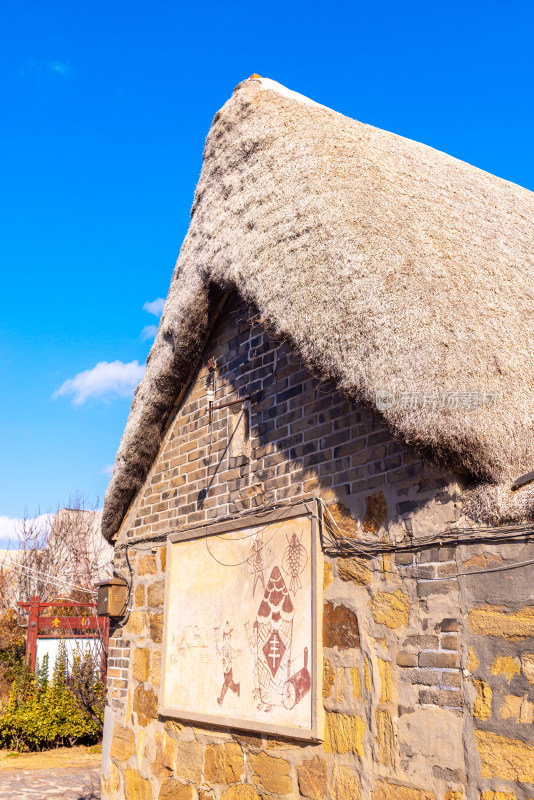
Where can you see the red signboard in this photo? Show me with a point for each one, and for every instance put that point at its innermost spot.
(43, 626)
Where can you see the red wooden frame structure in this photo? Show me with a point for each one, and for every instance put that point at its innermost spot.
(55, 627)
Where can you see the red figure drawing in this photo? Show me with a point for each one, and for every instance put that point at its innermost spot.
(257, 563)
(259, 560)
(227, 654)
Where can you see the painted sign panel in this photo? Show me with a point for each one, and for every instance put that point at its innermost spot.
(242, 626)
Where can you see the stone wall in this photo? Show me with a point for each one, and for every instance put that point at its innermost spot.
(426, 674)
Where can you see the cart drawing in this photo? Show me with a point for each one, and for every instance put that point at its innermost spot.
(297, 685)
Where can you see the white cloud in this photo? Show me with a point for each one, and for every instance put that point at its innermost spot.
(148, 332)
(108, 379)
(155, 306)
(35, 68)
(10, 525)
(59, 68)
(107, 469)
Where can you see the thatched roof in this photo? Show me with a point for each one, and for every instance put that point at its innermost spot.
(388, 265)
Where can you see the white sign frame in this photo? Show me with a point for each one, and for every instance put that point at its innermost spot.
(296, 686)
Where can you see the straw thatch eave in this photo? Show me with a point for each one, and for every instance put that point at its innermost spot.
(386, 264)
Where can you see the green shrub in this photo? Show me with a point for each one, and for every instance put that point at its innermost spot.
(11, 651)
(42, 713)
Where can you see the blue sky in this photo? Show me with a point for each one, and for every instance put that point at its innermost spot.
(105, 110)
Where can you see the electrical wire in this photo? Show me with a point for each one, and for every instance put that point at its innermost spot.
(44, 577)
(255, 531)
(129, 583)
(503, 568)
(160, 539)
(24, 566)
(447, 536)
(510, 533)
(240, 563)
(39, 573)
(335, 543)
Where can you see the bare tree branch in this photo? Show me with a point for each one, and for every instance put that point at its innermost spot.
(56, 556)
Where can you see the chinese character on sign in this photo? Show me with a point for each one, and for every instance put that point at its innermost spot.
(450, 400)
(490, 399)
(409, 401)
(274, 650)
(470, 399)
(429, 399)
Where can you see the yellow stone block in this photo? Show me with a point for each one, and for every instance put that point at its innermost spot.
(155, 595)
(472, 662)
(506, 758)
(387, 561)
(491, 795)
(165, 758)
(343, 521)
(155, 674)
(136, 623)
(173, 727)
(189, 759)
(141, 664)
(140, 743)
(223, 763)
(518, 708)
(156, 627)
(505, 665)
(312, 775)
(115, 778)
(384, 790)
(241, 791)
(354, 569)
(122, 743)
(272, 773)
(492, 620)
(384, 670)
(385, 737)
(356, 683)
(327, 574)
(527, 666)
(345, 784)
(139, 595)
(344, 733)
(328, 677)
(146, 565)
(482, 704)
(136, 787)
(172, 789)
(145, 703)
(390, 609)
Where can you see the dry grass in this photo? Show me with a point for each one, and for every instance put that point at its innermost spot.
(59, 758)
(385, 264)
